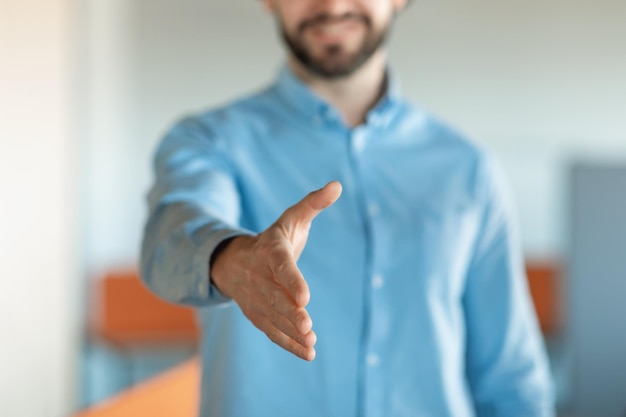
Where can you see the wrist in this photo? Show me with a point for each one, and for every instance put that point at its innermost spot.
(221, 263)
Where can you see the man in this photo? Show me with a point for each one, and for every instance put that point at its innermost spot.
(413, 279)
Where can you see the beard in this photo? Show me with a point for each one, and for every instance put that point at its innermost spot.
(334, 62)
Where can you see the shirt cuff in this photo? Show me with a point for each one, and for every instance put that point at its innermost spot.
(208, 291)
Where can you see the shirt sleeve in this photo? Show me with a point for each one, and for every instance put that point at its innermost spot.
(506, 363)
(194, 205)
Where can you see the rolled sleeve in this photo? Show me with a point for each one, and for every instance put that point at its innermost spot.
(194, 205)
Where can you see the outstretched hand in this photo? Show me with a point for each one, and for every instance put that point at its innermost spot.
(260, 274)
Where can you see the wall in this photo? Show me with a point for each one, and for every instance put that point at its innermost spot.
(38, 252)
(540, 83)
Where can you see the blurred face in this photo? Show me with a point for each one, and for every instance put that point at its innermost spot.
(334, 38)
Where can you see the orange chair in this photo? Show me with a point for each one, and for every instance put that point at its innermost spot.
(126, 313)
(544, 281)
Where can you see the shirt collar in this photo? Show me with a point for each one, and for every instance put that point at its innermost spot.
(302, 98)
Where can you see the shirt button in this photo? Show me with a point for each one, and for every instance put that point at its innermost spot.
(372, 360)
(374, 120)
(358, 141)
(377, 282)
(373, 209)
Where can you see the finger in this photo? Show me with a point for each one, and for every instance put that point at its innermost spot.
(310, 206)
(276, 301)
(282, 323)
(274, 304)
(284, 341)
(286, 271)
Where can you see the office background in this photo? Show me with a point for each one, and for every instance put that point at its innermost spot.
(87, 88)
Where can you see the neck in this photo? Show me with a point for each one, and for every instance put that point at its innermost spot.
(353, 96)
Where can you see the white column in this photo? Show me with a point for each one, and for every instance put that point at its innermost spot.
(38, 254)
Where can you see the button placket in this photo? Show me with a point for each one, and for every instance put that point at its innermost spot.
(373, 209)
(377, 282)
(358, 140)
(372, 360)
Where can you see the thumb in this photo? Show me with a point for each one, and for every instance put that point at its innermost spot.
(310, 206)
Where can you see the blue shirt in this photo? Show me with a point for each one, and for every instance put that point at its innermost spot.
(418, 293)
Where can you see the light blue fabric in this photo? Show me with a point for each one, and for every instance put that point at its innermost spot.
(418, 292)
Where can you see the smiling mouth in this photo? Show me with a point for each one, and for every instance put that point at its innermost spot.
(334, 24)
(334, 28)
